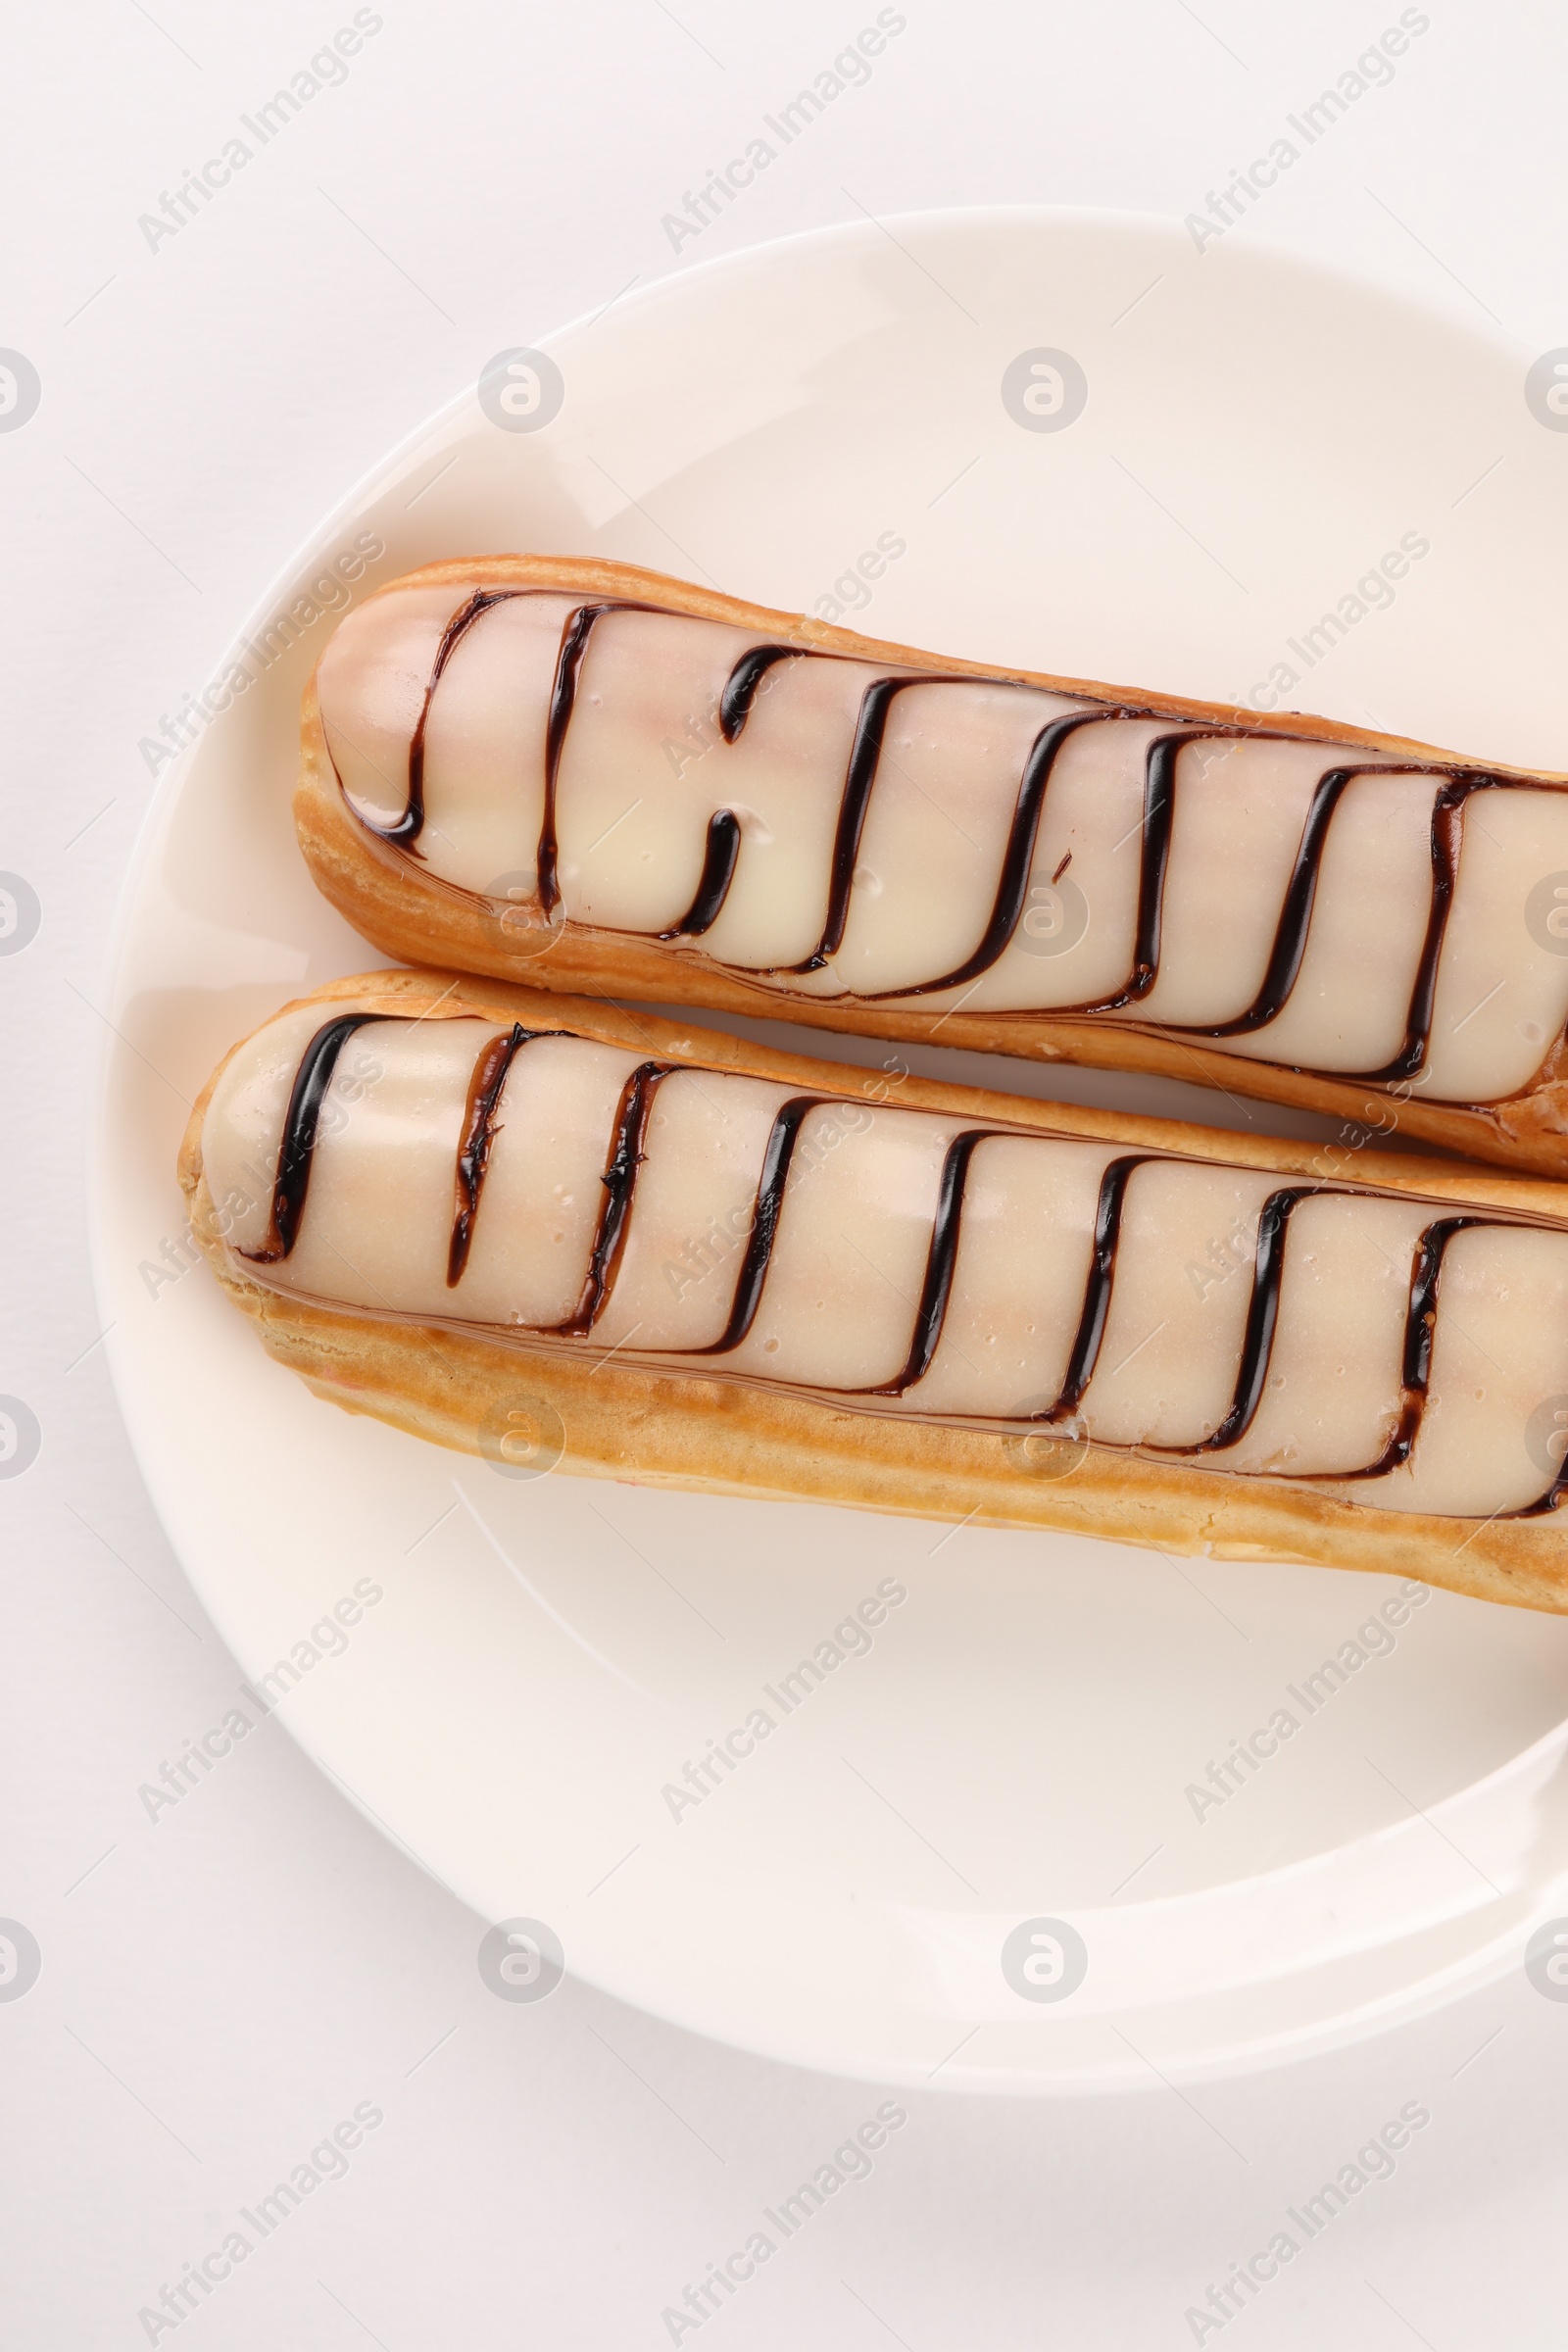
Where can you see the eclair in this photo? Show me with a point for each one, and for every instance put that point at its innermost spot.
(559, 1235)
(597, 779)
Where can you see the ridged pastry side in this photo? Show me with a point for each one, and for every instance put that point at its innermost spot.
(416, 916)
(623, 1421)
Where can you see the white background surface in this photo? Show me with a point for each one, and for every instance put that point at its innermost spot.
(224, 1988)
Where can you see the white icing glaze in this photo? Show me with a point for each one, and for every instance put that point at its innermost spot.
(839, 1306)
(644, 767)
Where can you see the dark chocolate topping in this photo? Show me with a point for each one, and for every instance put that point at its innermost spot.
(723, 842)
(301, 1123)
(1097, 1294)
(718, 872)
(1262, 1314)
(1017, 859)
(619, 1181)
(942, 1258)
(405, 831)
(865, 755)
(478, 1134)
(777, 1154)
(486, 1087)
(563, 698)
(739, 688)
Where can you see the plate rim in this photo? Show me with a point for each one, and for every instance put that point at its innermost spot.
(1250, 2055)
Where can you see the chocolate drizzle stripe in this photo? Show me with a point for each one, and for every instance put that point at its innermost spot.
(1416, 1360)
(575, 637)
(619, 1181)
(1097, 1292)
(1447, 838)
(1263, 1315)
(1017, 859)
(865, 756)
(1012, 891)
(301, 1123)
(1289, 946)
(314, 1077)
(406, 831)
(1416, 1370)
(1290, 938)
(941, 1260)
(740, 687)
(777, 1154)
(723, 845)
(1291, 935)
(718, 872)
(490, 1073)
(1552, 1500)
(1159, 809)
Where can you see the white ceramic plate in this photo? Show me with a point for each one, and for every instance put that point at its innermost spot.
(1019, 1741)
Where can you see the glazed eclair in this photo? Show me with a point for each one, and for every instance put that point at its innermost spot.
(504, 1219)
(590, 777)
